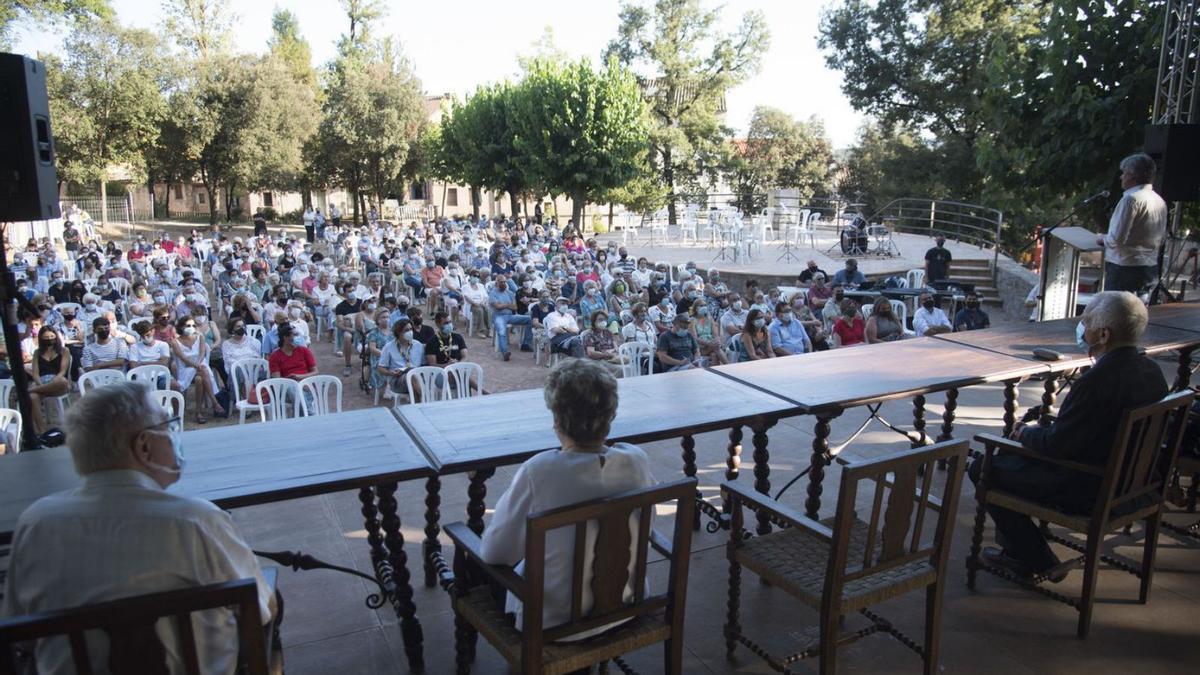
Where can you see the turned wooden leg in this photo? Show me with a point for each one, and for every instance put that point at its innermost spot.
(1183, 374)
(476, 496)
(919, 422)
(1049, 393)
(1010, 406)
(402, 600)
(689, 469)
(433, 515)
(762, 472)
(977, 530)
(948, 421)
(820, 459)
(733, 461)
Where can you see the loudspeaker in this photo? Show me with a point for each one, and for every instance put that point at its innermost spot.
(28, 181)
(1175, 148)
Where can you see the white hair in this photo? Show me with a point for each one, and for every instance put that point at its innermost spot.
(1141, 165)
(102, 425)
(1121, 312)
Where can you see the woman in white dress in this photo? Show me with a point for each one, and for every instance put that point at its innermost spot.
(191, 359)
(582, 395)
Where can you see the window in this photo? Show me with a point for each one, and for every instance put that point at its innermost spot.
(417, 190)
(268, 199)
(200, 197)
(178, 191)
(451, 196)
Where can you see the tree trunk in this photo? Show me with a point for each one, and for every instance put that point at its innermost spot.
(228, 203)
(669, 178)
(212, 205)
(578, 200)
(153, 198)
(610, 217)
(443, 209)
(167, 203)
(104, 201)
(474, 191)
(513, 202)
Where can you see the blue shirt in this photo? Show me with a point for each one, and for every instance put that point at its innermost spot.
(790, 336)
(845, 278)
(505, 296)
(270, 341)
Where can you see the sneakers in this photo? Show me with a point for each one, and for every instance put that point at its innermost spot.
(507, 355)
(346, 371)
(997, 557)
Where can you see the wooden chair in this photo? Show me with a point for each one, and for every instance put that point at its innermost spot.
(130, 625)
(1132, 488)
(536, 649)
(844, 565)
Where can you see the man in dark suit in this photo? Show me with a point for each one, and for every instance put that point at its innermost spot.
(1121, 380)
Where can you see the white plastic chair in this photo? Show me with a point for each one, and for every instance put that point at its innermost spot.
(99, 378)
(273, 398)
(633, 354)
(246, 373)
(256, 331)
(6, 390)
(75, 306)
(316, 390)
(152, 373)
(171, 401)
(916, 278)
(458, 380)
(10, 417)
(120, 286)
(427, 377)
(687, 227)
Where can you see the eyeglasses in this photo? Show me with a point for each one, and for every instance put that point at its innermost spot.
(173, 424)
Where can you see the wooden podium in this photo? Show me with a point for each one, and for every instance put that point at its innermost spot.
(1060, 270)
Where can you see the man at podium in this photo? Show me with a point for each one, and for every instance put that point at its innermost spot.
(1135, 230)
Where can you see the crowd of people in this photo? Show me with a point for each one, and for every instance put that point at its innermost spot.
(393, 297)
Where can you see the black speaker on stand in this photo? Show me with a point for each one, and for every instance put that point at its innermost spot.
(28, 191)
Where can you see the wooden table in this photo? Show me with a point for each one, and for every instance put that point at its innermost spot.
(251, 464)
(477, 435)
(1182, 315)
(827, 383)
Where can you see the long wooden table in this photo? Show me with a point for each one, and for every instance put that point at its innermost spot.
(477, 435)
(251, 464)
(825, 384)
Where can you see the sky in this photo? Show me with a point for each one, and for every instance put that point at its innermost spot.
(456, 45)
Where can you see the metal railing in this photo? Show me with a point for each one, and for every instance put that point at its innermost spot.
(970, 223)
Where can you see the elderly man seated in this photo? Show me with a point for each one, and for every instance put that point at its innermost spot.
(1121, 380)
(788, 334)
(678, 348)
(133, 535)
(929, 318)
(849, 275)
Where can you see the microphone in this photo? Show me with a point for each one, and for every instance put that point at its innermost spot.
(1103, 194)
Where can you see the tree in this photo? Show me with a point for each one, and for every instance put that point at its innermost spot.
(582, 132)
(482, 129)
(780, 152)
(14, 11)
(105, 102)
(685, 88)
(921, 64)
(290, 47)
(200, 27)
(889, 163)
(362, 13)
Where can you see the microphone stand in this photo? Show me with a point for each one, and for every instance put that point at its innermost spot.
(1055, 226)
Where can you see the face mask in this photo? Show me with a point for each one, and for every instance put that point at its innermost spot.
(447, 328)
(148, 340)
(90, 305)
(177, 450)
(618, 289)
(160, 299)
(693, 295)
(240, 331)
(591, 292)
(562, 309)
(681, 332)
(928, 305)
(786, 317)
(527, 284)
(189, 331)
(1079, 339)
(972, 305)
(703, 311)
(407, 336)
(759, 323)
(737, 306)
(838, 297)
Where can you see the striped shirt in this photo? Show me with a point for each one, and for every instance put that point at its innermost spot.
(112, 350)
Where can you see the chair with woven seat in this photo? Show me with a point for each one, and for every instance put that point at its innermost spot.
(1133, 487)
(845, 564)
(623, 535)
(134, 643)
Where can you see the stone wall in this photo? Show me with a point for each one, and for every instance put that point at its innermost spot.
(1013, 282)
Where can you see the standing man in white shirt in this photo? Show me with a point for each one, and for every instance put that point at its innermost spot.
(137, 538)
(1135, 230)
(930, 319)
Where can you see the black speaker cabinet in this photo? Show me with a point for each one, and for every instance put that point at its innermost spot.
(28, 182)
(1175, 148)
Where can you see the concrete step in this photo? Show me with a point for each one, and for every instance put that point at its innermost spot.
(971, 262)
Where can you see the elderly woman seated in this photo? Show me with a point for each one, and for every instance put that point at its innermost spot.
(582, 395)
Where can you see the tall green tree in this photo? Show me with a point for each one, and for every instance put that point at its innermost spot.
(581, 131)
(290, 47)
(482, 128)
(780, 152)
(12, 12)
(105, 101)
(685, 68)
(921, 64)
(201, 28)
(887, 163)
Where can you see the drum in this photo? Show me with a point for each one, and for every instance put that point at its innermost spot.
(853, 240)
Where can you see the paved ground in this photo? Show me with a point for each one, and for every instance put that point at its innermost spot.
(996, 629)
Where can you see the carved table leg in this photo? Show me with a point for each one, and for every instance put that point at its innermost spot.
(1010, 406)
(1049, 391)
(402, 598)
(919, 421)
(431, 545)
(476, 494)
(762, 471)
(948, 421)
(820, 459)
(371, 525)
(734, 461)
(1183, 374)
(689, 469)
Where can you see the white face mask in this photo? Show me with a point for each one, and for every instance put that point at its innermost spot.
(189, 331)
(408, 336)
(148, 340)
(176, 449)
